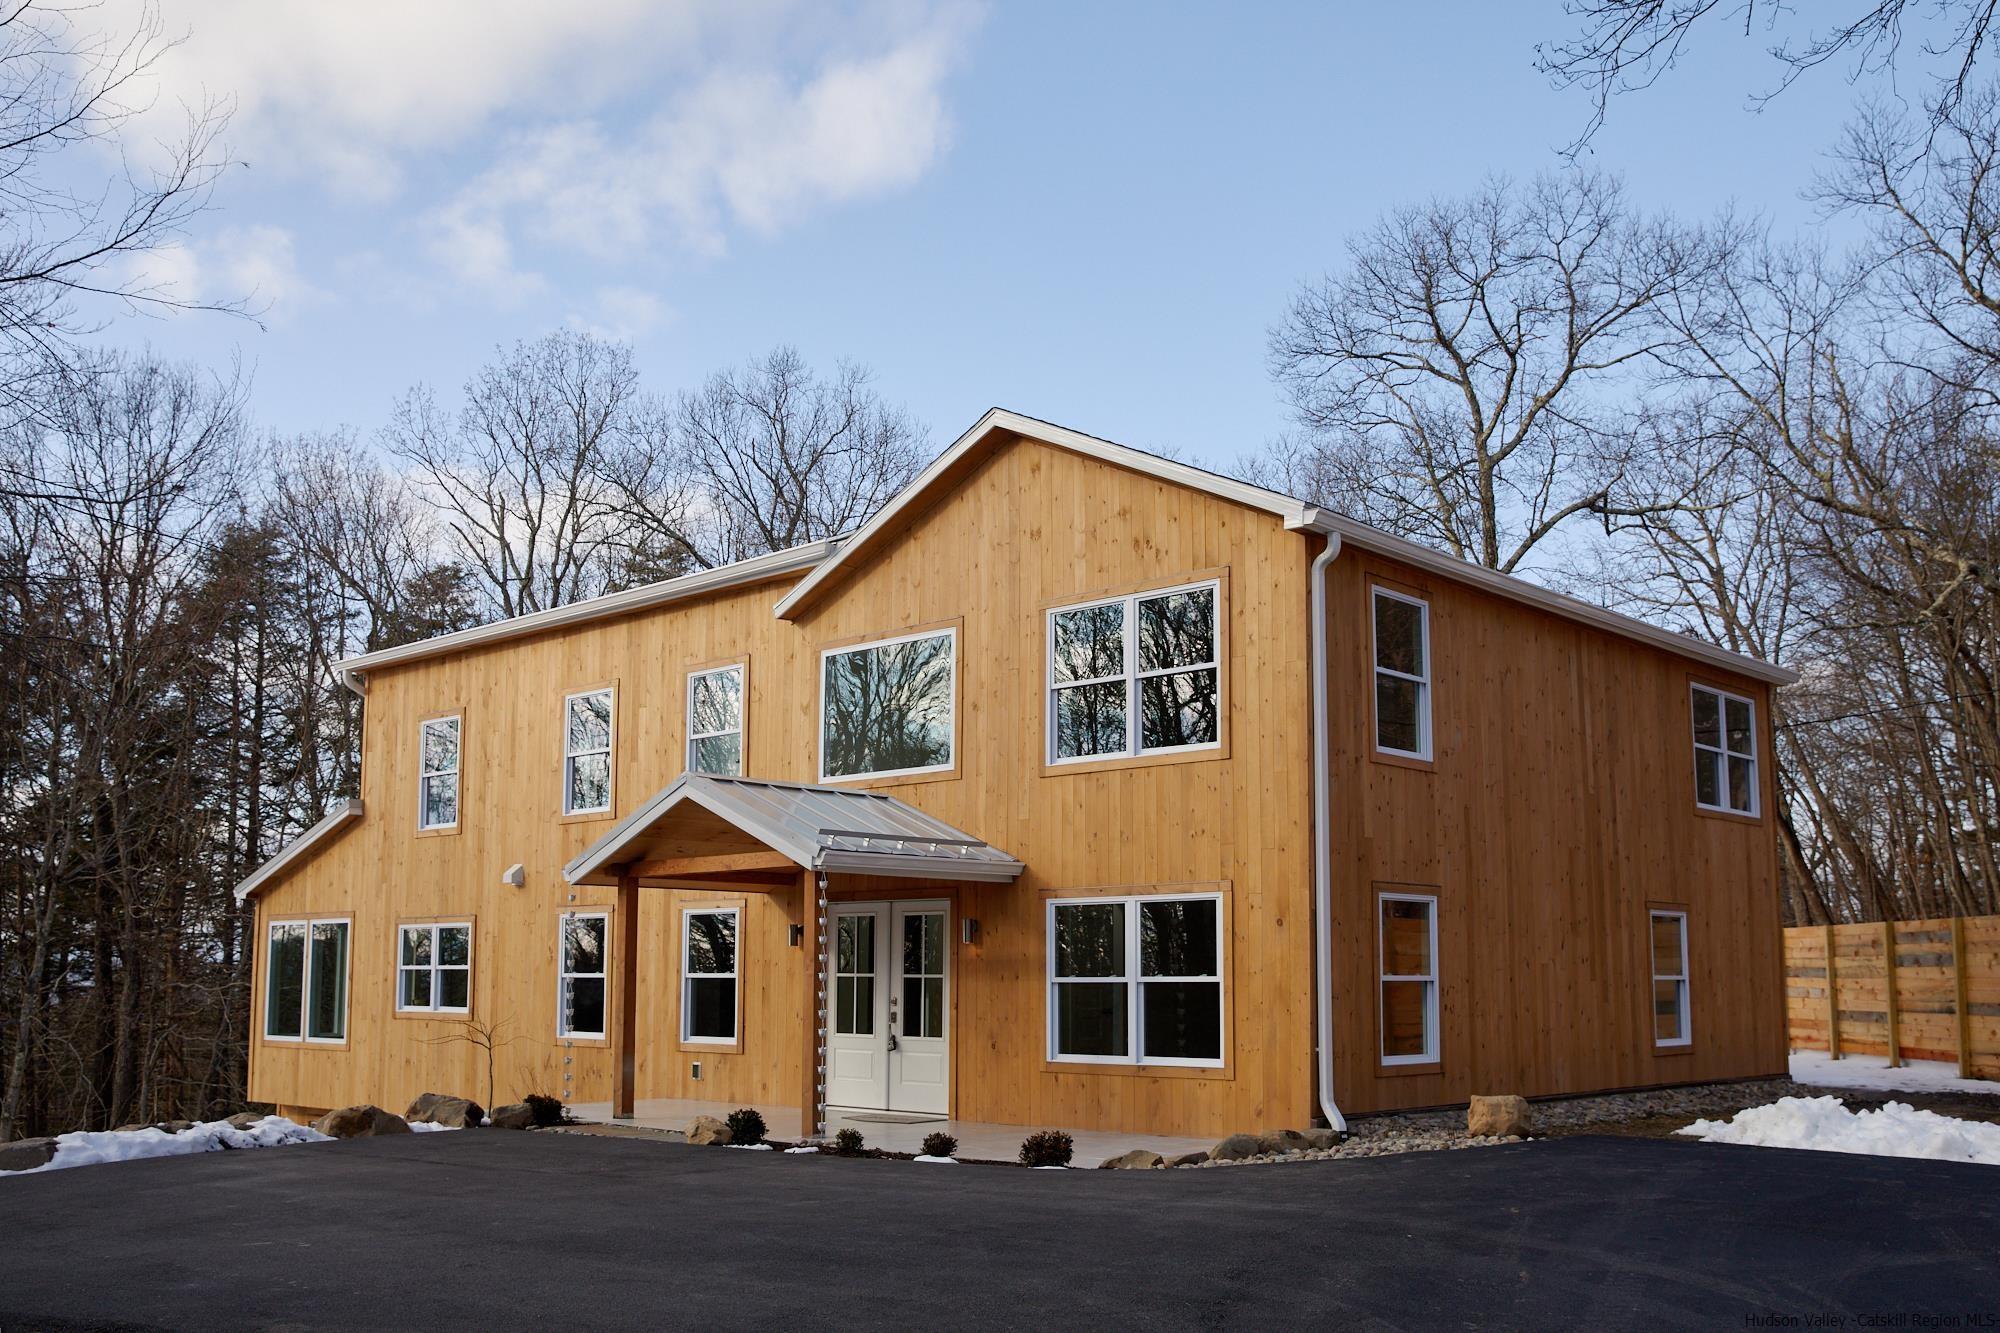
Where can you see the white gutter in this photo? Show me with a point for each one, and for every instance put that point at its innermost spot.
(1322, 798)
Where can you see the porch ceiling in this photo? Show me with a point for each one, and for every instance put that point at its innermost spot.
(702, 825)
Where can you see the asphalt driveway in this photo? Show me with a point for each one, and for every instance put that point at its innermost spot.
(497, 1230)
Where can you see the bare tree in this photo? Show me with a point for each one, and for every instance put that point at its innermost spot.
(1470, 378)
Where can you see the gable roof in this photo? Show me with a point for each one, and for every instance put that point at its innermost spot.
(844, 829)
(294, 852)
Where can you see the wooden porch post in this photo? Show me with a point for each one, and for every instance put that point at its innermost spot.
(812, 1051)
(625, 1008)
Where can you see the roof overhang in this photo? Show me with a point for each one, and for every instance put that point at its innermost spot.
(296, 852)
(711, 826)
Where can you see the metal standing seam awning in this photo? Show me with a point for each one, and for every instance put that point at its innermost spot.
(831, 829)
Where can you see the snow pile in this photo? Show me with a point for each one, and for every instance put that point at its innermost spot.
(426, 1127)
(1873, 1071)
(935, 1161)
(90, 1147)
(1825, 1124)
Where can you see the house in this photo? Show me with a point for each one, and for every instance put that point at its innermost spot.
(1077, 787)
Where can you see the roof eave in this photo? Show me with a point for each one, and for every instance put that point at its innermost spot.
(295, 851)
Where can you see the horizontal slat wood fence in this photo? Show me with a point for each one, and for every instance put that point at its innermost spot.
(1908, 990)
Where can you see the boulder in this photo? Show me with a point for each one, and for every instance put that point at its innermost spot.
(1497, 1117)
(1195, 1158)
(1139, 1159)
(420, 1109)
(516, 1115)
(455, 1112)
(23, 1154)
(173, 1126)
(132, 1128)
(360, 1122)
(1284, 1141)
(1236, 1147)
(706, 1129)
(1318, 1139)
(245, 1120)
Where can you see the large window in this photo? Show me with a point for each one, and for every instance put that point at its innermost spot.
(708, 975)
(715, 721)
(1135, 675)
(1670, 978)
(1409, 979)
(587, 753)
(437, 785)
(1136, 980)
(306, 986)
(584, 968)
(1725, 752)
(1402, 675)
(886, 708)
(434, 968)
(854, 975)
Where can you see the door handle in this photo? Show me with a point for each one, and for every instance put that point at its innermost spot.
(892, 1040)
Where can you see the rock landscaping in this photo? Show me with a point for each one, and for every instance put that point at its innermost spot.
(360, 1122)
(452, 1112)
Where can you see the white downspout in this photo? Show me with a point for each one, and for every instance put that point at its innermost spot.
(1323, 841)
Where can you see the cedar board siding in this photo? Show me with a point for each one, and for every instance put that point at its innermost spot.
(1558, 806)
(1029, 526)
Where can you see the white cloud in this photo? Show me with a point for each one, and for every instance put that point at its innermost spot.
(620, 313)
(254, 267)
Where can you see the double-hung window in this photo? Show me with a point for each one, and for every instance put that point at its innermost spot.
(434, 968)
(305, 996)
(715, 721)
(1135, 675)
(708, 975)
(1725, 751)
(1402, 635)
(437, 782)
(887, 708)
(1136, 980)
(1670, 977)
(1409, 978)
(587, 752)
(582, 972)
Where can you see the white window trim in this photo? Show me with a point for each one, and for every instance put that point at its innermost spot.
(1686, 995)
(951, 762)
(563, 975)
(571, 756)
(434, 968)
(305, 979)
(687, 977)
(1133, 981)
(1423, 682)
(742, 704)
(1129, 674)
(1722, 699)
(457, 720)
(1433, 1043)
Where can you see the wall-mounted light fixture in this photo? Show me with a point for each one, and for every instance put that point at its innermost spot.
(968, 929)
(798, 934)
(517, 875)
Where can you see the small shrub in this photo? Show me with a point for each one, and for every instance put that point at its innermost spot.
(847, 1143)
(746, 1126)
(939, 1145)
(547, 1110)
(1048, 1147)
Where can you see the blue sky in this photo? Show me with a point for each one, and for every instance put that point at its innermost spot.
(1089, 213)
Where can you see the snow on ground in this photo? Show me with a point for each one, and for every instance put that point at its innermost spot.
(1825, 1124)
(90, 1147)
(1872, 1071)
(426, 1127)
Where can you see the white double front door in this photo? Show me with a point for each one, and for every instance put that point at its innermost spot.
(888, 1001)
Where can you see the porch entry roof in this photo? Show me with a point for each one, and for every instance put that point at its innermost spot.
(701, 823)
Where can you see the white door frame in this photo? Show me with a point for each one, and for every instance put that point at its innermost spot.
(854, 1064)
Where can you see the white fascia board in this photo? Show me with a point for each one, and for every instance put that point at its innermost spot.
(774, 565)
(1520, 590)
(296, 849)
(919, 867)
(999, 419)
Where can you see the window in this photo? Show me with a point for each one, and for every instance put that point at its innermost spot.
(1725, 752)
(886, 708)
(715, 721)
(585, 942)
(923, 974)
(1670, 978)
(1135, 675)
(434, 968)
(1409, 979)
(854, 975)
(587, 753)
(437, 796)
(708, 975)
(1136, 980)
(1402, 675)
(306, 988)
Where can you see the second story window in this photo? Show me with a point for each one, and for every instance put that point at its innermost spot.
(715, 721)
(1402, 675)
(1725, 752)
(887, 708)
(1135, 675)
(437, 797)
(587, 753)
